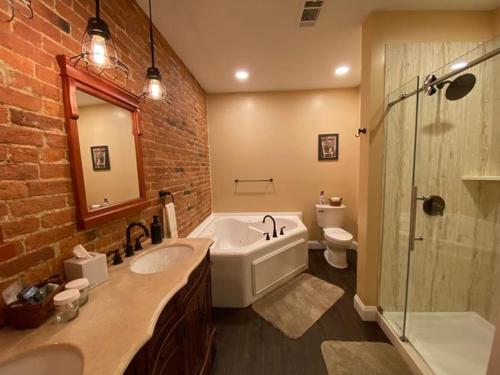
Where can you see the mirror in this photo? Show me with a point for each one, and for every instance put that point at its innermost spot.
(102, 122)
(107, 147)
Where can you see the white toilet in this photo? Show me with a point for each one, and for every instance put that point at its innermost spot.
(338, 240)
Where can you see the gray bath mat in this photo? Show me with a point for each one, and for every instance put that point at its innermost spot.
(362, 358)
(297, 305)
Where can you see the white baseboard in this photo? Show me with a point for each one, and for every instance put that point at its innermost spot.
(366, 313)
(316, 245)
(354, 245)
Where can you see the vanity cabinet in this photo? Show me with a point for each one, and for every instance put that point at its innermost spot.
(183, 341)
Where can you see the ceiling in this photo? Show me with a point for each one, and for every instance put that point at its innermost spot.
(215, 38)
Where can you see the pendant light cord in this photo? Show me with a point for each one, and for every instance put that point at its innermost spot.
(97, 9)
(151, 36)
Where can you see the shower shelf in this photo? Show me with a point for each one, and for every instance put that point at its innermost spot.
(480, 178)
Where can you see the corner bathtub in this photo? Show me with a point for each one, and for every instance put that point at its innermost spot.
(245, 266)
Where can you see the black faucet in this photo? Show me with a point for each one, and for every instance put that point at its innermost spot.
(274, 224)
(129, 250)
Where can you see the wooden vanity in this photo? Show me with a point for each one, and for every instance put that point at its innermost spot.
(183, 341)
(136, 324)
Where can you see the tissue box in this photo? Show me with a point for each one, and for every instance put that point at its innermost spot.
(94, 268)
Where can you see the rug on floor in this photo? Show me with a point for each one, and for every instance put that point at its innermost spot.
(361, 358)
(297, 305)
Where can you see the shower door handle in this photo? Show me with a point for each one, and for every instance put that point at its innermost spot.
(413, 218)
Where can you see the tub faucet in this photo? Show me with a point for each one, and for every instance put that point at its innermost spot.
(129, 251)
(274, 224)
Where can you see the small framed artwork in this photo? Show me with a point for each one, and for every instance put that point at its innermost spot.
(328, 147)
(100, 158)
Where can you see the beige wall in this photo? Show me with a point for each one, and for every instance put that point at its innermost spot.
(107, 124)
(496, 21)
(263, 135)
(379, 29)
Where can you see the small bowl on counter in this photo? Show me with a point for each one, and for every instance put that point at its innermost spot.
(335, 201)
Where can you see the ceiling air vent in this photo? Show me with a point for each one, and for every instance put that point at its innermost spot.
(310, 13)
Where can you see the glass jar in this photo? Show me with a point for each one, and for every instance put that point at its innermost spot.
(83, 286)
(67, 305)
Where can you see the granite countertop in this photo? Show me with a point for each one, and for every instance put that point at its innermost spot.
(119, 317)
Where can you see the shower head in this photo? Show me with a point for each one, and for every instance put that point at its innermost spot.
(460, 86)
(456, 90)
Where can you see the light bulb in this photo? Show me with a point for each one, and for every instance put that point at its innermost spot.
(242, 75)
(155, 90)
(98, 50)
(341, 70)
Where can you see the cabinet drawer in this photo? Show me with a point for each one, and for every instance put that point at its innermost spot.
(169, 359)
(167, 321)
(194, 280)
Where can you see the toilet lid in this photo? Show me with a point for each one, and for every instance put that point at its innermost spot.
(338, 234)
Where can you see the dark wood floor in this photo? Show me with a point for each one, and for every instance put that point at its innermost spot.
(248, 345)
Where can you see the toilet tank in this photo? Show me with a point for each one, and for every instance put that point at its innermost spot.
(330, 216)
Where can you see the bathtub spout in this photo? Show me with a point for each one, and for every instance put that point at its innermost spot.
(275, 234)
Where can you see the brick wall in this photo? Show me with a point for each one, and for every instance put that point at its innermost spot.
(37, 211)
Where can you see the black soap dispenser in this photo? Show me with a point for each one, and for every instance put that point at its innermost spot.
(156, 231)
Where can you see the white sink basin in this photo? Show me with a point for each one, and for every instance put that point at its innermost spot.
(59, 359)
(161, 259)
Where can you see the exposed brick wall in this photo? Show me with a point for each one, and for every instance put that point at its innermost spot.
(37, 211)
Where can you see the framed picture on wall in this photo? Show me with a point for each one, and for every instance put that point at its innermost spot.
(100, 158)
(328, 147)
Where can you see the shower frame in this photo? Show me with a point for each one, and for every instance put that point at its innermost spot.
(439, 83)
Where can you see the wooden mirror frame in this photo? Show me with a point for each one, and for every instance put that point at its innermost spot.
(74, 79)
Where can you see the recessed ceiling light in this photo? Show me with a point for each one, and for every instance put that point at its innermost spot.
(459, 65)
(241, 75)
(341, 70)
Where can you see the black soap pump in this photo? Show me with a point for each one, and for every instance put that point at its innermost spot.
(156, 231)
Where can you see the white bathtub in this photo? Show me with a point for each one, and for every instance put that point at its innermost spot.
(245, 266)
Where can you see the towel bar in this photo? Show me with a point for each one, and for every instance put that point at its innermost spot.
(264, 180)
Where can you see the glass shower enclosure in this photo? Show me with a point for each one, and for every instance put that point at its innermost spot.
(440, 264)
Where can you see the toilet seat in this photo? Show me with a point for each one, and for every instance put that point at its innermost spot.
(338, 236)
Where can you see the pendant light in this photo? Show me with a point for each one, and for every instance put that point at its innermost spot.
(98, 48)
(153, 88)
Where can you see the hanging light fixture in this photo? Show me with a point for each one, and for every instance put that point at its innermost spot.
(98, 48)
(153, 88)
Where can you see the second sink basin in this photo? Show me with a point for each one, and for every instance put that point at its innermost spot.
(161, 259)
(58, 359)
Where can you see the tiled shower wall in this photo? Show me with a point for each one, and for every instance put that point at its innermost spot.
(37, 211)
(457, 266)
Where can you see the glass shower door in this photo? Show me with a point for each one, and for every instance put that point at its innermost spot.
(454, 273)
(399, 132)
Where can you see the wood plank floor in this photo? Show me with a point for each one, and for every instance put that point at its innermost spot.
(248, 345)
